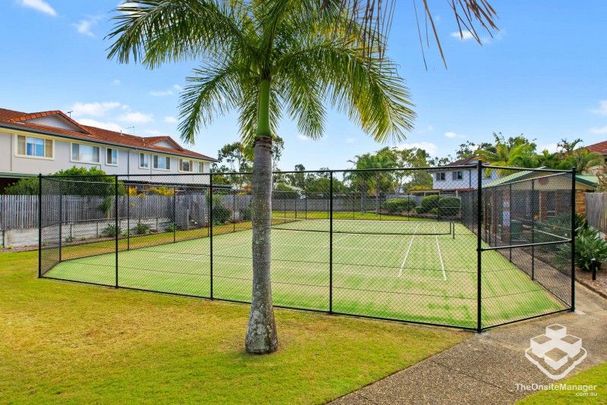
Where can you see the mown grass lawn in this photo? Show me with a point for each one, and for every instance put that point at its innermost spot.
(77, 343)
(596, 375)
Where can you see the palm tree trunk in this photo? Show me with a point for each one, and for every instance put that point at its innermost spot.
(261, 334)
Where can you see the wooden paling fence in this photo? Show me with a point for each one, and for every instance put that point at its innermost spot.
(596, 210)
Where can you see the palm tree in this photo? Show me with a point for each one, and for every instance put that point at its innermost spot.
(265, 58)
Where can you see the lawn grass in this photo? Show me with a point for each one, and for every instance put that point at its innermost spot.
(76, 343)
(596, 375)
(425, 276)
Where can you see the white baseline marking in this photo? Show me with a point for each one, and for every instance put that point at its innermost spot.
(402, 265)
(442, 264)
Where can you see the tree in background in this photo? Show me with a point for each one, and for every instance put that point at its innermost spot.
(513, 151)
(265, 58)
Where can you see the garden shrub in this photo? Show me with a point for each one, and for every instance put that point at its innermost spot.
(449, 206)
(428, 203)
(395, 205)
(111, 231)
(141, 229)
(588, 245)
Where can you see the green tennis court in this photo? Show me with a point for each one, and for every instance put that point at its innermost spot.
(405, 270)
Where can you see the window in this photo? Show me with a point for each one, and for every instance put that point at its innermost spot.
(458, 175)
(162, 162)
(185, 165)
(111, 157)
(440, 176)
(200, 167)
(144, 161)
(85, 153)
(34, 147)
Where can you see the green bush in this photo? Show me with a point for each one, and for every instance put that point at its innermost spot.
(172, 227)
(221, 214)
(283, 191)
(588, 245)
(395, 205)
(428, 203)
(141, 229)
(449, 206)
(111, 231)
(246, 214)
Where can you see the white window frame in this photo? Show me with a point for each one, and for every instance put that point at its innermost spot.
(26, 156)
(84, 161)
(200, 167)
(107, 151)
(181, 166)
(155, 158)
(440, 176)
(139, 160)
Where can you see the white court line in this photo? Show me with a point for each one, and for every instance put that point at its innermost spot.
(402, 265)
(442, 264)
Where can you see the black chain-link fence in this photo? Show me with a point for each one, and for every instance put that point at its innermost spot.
(465, 246)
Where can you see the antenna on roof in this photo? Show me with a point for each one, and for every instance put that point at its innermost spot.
(70, 113)
(122, 129)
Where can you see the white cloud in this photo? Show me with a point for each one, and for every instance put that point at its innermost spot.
(602, 109)
(451, 135)
(167, 92)
(95, 109)
(302, 137)
(112, 126)
(465, 35)
(427, 146)
(86, 25)
(599, 131)
(39, 5)
(170, 119)
(136, 118)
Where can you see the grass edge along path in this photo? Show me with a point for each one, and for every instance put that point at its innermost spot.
(77, 343)
(596, 375)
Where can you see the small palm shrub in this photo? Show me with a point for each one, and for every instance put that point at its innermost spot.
(141, 229)
(395, 205)
(111, 231)
(588, 245)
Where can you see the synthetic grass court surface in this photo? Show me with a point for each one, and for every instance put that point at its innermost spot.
(415, 277)
(66, 342)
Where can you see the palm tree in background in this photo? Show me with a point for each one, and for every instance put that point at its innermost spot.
(264, 59)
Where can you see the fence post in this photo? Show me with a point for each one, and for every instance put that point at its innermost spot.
(128, 219)
(479, 252)
(39, 225)
(60, 224)
(116, 224)
(211, 232)
(573, 219)
(174, 214)
(234, 210)
(533, 229)
(510, 220)
(330, 242)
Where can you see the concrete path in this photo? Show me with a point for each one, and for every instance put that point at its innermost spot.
(486, 368)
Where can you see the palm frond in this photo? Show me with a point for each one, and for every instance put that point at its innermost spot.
(158, 31)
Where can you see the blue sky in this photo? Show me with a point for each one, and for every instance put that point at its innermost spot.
(543, 75)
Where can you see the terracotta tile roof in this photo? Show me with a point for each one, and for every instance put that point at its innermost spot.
(20, 120)
(600, 147)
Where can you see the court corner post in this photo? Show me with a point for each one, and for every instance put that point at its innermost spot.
(40, 225)
(210, 225)
(117, 226)
(479, 252)
(330, 242)
(573, 230)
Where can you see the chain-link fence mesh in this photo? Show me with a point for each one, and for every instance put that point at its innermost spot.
(464, 246)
